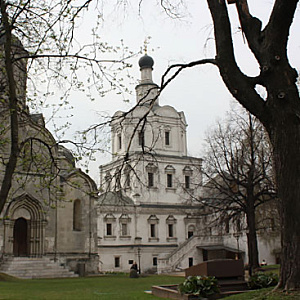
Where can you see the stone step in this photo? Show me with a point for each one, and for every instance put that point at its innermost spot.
(31, 267)
(26, 268)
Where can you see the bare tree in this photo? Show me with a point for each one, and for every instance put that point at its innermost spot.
(238, 167)
(47, 30)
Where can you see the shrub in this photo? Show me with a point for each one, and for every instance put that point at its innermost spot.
(201, 286)
(262, 280)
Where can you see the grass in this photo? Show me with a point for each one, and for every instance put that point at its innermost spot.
(266, 294)
(109, 287)
(272, 269)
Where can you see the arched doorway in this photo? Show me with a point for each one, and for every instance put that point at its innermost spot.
(24, 227)
(21, 237)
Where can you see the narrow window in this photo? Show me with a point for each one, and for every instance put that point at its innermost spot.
(191, 261)
(118, 180)
(167, 138)
(273, 227)
(227, 225)
(150, 179)
(238, 225)
(170, 230)
(127, 177)
(187, 181)
(77, 215)
(152, 230)
(119, 141)
(108, 229)
(117, 262)
(154, 261)
(169, 180)
(124, 229)
(141, 139)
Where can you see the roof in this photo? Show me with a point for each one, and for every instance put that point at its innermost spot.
(114, 198)
(63, 151)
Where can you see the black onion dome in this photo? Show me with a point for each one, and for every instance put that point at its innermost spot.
(146, 62)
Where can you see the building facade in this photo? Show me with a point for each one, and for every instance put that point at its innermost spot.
(49, 212)
(150, 185)
(150, 208)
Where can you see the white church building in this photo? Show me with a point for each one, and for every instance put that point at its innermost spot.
(149, 209)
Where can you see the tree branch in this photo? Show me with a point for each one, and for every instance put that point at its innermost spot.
(251, 27)
(277, 30)
(180, 67)
(239, 85)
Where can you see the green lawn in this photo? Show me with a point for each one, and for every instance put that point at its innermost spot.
(105, 287)
(109, 287)
(266, 294)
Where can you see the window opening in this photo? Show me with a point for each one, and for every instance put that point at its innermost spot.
(117, 262)
(152, 230)
(167, 138)
(119, 141)
(124, 229)
(150, 179)
(108, 229)
(187, 181)
(77, 215)
(141, 139)
(154, 261)
(169, 180)
(171, 230)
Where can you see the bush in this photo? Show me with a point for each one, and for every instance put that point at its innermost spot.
(201, 286)
(262, 280)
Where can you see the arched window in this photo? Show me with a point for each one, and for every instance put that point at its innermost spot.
(119, 141)
(77, 215)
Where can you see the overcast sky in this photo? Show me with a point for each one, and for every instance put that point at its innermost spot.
(198, 92)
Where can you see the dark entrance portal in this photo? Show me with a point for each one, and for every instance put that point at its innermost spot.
(20, 237)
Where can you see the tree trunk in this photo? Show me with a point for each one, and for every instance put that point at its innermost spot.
(279, 113)
(286, 140)
(252, 239)
(13, 110)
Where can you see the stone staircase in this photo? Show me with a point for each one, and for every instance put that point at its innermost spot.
(171, 262)
(29, 268)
